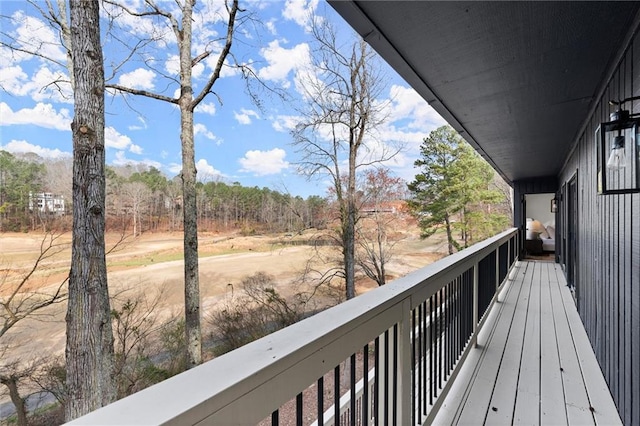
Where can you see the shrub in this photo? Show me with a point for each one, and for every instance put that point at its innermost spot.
(258, 311)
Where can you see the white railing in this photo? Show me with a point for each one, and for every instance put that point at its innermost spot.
(412, 369)
(345, 399)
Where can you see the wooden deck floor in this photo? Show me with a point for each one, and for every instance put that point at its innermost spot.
(533, 364)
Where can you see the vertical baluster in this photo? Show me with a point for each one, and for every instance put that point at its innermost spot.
(432, 333)
(454, 307)
(463, 298)
(447, 305)
(451, 327)
(458, 318)
(415, 369)
(475, 302)
(424, 356)
(463, 317)
(439, 339)
(299, 409)
(376, 389)
(386, 377)
(353, 389)
(365, 389)
(320, 401)
(396, 355)
(452, 318)
(336, 395)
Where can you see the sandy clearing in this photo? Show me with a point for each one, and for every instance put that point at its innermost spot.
(225, 260)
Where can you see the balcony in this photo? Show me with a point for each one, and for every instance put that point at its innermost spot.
(478, 337)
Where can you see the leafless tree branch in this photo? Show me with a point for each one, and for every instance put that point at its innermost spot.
(140, 92)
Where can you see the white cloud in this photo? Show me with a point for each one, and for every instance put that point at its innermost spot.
(209, 13)
(201, 129)
(285, 123)
(197, 70)
(229, 69)
(10, 57)
(271, 26)
(175, 168)
(172, 64)
(206, 108)
(12, 79)
(282, 61)
(244, 116)
(42, 115)
(206, 172)
(263, 163)
(122, 160)
(116, 140)
(52, 85)
(22, 146)
(300, 11)
(43, 84)
(113, 139)
(142, 126)
(145, 28)
(34, 35)
(139, 79)
(407, 104)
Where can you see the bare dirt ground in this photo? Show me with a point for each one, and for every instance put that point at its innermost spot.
(152, 263)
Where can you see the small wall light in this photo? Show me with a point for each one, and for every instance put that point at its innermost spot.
(554, 205)
(618, 151)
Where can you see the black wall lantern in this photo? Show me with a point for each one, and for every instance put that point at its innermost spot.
(554, 205)
(619, 151)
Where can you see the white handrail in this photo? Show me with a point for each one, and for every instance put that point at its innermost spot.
(244, 386)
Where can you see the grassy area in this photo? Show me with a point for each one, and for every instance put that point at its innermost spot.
(159, 257)
(145, 260)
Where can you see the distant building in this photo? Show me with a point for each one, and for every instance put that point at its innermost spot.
(47, 202)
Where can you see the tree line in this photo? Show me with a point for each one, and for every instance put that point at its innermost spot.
(141, 198)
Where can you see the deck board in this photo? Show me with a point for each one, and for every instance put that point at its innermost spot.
(575, 394)
(500, 410)
(528, 388)
(552, 406)
(604, 409)
(534, 363)
(477, 401)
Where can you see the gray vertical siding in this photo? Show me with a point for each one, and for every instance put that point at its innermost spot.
(608, 269)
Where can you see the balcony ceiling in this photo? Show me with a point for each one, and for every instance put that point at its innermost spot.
(516, 79)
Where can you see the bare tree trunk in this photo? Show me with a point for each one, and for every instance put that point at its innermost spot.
(21, 409)
(190, 211)
(349, 247)
(449, 233)
(89, 349)
(382, 255)
(187, 102)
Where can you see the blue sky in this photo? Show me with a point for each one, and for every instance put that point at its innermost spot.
(235, 140)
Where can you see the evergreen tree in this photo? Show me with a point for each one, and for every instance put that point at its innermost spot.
(452, 189)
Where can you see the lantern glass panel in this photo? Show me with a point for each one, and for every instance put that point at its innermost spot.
(618, 157)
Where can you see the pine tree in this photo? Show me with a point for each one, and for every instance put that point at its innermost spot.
(452, 188)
